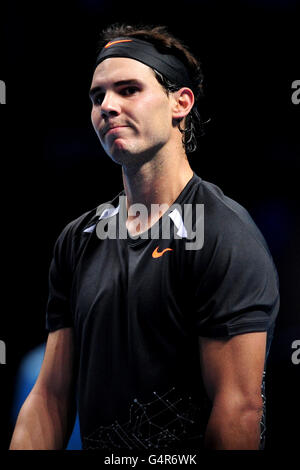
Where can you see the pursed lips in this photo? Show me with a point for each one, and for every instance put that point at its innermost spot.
(111, 127)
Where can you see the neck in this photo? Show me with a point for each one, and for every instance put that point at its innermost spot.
(157, 181)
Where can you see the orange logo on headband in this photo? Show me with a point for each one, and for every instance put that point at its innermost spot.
(110, 43)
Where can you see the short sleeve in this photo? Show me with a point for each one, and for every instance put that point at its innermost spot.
(58, 312)
(238, 292)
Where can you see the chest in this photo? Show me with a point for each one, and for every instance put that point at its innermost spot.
(146, 283)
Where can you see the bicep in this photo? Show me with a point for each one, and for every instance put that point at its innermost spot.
(57, 371)
(232, 368)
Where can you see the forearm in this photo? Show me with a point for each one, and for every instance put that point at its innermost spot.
(233, 428)
(42, 424)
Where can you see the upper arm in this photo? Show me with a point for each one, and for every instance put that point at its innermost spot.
(233, 368)
(57, 373)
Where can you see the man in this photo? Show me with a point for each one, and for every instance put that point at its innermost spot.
(161, 300)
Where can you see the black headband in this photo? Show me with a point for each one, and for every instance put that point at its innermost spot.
(145, 52)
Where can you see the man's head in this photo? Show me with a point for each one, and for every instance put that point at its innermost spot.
(144, 87)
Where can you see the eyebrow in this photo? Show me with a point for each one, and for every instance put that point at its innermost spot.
(97, 89)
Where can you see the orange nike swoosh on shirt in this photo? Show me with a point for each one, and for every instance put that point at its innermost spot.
(158, 254)
(116, 42)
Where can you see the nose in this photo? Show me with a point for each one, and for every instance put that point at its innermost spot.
(110, 105)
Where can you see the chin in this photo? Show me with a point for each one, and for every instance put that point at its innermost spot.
(122, 156)
(122, 152)
(127, 154)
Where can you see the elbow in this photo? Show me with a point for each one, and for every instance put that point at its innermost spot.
(244, 411)
(250, 415)
(252, 406)
(234, 401)
(249, 409)
(234, 423)
(241, 410)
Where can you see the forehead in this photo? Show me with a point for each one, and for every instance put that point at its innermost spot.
(121, 68)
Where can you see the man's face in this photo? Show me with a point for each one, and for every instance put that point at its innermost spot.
(131, 112)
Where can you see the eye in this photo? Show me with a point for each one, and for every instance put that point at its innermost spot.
(129, 90)
(98, 98)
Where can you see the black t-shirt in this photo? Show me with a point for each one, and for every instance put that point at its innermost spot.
(139, 304)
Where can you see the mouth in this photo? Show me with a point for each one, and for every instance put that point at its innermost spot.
(112, 130)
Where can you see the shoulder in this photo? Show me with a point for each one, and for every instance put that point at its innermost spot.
(218, 204)
(226, 219)
(236, 279)
(232, 241)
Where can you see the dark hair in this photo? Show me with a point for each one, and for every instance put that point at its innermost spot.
(165, 42)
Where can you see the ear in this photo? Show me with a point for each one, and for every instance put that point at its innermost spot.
(183, 102)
